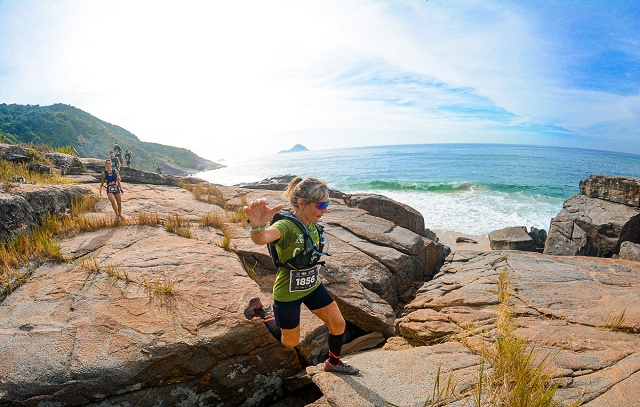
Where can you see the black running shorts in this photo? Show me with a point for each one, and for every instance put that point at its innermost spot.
(287, 314)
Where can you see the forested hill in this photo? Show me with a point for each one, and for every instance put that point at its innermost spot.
(62, 125)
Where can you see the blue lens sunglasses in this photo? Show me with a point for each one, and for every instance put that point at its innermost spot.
(322, 205)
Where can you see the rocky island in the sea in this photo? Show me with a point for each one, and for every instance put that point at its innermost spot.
(148, 311)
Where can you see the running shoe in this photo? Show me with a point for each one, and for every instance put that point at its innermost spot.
(254, 304)
(342, 367)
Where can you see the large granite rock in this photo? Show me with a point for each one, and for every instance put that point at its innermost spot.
(24, 155)
(387, 208)
(93, 165)
(67, 164)
(582, 312)
(512, 238)
(18, 154)
(73, 335)
(16, 215)
(27, 204)
(622, 190)
(405, 377)
(630, 251)
(597, 221)
(76, 335)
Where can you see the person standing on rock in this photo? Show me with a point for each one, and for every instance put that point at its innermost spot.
(309, 199)
(111, 176)
(115, 161)
(127, 157)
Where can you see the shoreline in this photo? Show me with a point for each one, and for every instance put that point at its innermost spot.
(448, 238)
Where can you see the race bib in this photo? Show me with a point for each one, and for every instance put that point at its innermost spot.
(302, 280)
(113, 188)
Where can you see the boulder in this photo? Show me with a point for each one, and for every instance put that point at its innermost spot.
(19, 154)
(93, 165)
(51, 199)
(16, 215)
(512, 238)
(389, 209)
(592, 227)
(27, 204)
(630, 251)
(622, 190)
(131, 175)
(67, 164)
(539, 237)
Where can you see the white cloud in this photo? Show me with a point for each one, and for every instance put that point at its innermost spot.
(251, 78)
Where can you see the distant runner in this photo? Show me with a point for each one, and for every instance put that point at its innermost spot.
(111, 176)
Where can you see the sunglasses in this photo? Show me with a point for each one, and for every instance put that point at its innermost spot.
(322, 205)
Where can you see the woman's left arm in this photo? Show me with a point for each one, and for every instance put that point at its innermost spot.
(118, 181)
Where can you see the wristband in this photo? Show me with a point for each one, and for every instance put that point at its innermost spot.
(257, 229)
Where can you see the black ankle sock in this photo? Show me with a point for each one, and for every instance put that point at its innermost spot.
(335, 347)
(270, 323)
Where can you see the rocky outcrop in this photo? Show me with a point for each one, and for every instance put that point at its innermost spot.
(386, 208)
(596, 226)
(67, 164)
(28, 204)
(131, 175)
(512, 238)
(622, 190)
(584, 313)
(101, 329)
(105, 337)
(24, 155)
(92, 165)
(16, 215)
(630, 251)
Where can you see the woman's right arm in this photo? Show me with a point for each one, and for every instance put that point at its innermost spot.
(101, 182)
(265, 236)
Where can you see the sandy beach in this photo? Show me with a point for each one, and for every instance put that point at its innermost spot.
(448, 238)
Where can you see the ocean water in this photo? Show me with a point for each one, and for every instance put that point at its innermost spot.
(467, 188)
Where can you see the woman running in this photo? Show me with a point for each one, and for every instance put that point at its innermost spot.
(309, 200)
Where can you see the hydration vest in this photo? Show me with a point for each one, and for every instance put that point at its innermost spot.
(308, 257)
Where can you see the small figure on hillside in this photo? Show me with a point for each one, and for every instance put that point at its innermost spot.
(298, 280)
(111, 176)
(115, 161)
(127, 157)
(159, 169)
(118, 152)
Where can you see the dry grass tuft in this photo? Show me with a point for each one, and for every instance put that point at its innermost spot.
(179, 225)
(206, 193)
(161, 290)
(149, 219)
(517, 379)
(11, 172)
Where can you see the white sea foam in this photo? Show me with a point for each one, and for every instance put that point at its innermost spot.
(478, 213)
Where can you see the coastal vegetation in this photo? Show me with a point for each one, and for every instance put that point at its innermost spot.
(66, 128)
(20, 172)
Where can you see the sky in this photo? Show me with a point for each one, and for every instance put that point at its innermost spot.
(233, 80)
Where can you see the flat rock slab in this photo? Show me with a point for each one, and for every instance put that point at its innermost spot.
(403, 378)
(582, 312)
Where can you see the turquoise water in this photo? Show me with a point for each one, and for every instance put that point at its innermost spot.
(467, 188)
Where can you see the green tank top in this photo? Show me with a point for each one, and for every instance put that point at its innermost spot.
(290, 243)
